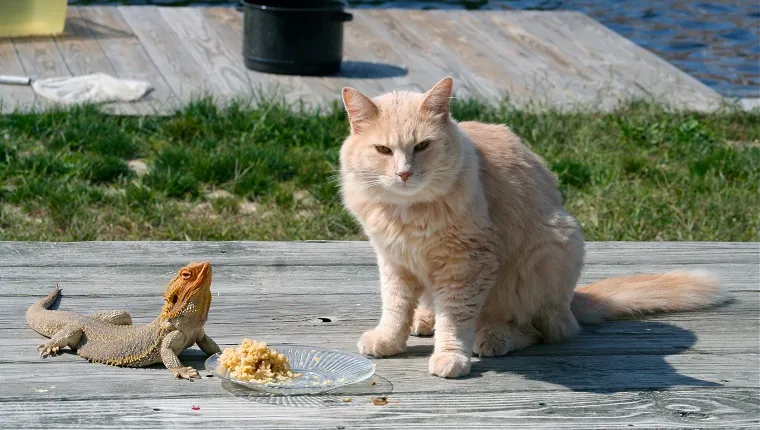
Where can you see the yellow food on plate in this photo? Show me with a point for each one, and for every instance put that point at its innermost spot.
(254, 361)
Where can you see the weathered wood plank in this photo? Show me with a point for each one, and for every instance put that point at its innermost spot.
(407, 374)
(666, 76)
(453, 45)
(412, 45)
(442, 38)
(271, 289)
(41, 58)
(13, 97)
(598, 84)
(203, 44)
(650, 336)
(327, 253)
(523, 68)
(347, 297)
(546, 68)
(371, 64)
(734, 328)
(228, 25)
(539, 59)
(729, 408)
(167, 51)
(359, 291)
(127, 56)
(644, 73)
(83, 55)
(692, 369)
(245, 277)
(519, 80)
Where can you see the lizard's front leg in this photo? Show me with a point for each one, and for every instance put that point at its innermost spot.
(68, 336)
(175, 341)
(207, 345)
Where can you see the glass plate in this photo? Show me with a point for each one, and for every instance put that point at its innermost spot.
(321, 370)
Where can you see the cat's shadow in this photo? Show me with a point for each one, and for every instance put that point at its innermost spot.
(611, 357)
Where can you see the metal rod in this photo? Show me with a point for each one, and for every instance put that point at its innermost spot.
(15, 80)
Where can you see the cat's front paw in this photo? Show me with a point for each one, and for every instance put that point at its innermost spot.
(491, 341)
(424, 322)
(449, 364)
(381, 343)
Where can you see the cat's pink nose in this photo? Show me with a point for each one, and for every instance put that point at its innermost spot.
(404, 175)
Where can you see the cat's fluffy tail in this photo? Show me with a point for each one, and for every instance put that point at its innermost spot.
(646, 294)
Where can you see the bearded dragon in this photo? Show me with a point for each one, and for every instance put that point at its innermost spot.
(109, 337)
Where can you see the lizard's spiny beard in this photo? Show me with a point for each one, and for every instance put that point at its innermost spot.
(189, 297)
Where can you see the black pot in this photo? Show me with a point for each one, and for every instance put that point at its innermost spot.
(294, 37)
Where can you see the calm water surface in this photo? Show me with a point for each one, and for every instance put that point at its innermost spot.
(717, 42)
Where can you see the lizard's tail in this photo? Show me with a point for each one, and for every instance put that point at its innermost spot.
(35, 311)
(45, 302)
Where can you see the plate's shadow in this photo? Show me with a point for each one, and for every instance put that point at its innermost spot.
(354, 394)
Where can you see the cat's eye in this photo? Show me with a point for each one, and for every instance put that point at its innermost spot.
(383, 149)
(422, 145)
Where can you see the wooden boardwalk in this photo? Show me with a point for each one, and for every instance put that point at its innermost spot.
(541, 58)
(681, 370)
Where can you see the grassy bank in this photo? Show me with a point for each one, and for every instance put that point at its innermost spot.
(268, 173)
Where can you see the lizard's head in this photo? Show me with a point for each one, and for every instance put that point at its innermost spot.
(189, 293)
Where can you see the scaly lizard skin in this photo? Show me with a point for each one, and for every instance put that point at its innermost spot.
(109, 337)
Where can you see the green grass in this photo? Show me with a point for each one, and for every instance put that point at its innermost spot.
(639, 173)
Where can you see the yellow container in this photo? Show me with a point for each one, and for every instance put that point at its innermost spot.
(32, 17)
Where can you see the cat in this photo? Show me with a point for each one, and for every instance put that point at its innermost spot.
(472, 240)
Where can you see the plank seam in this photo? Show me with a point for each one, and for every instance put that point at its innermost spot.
(26, 72)
(147, 53)
(96, 38)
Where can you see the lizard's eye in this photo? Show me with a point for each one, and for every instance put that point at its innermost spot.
(185, 274)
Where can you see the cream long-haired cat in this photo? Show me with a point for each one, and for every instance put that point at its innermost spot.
(472, 240)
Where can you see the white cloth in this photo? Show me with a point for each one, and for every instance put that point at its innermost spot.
(94, 88)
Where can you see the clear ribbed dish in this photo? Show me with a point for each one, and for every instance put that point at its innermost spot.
(320, 369)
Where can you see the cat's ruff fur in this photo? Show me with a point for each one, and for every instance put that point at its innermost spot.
(472, 240)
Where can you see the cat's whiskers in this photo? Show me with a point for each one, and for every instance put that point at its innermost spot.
(365, 185)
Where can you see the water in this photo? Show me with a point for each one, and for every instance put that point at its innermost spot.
(717, 42)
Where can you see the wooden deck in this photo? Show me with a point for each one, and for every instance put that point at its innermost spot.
(540, 58)
(681, 370)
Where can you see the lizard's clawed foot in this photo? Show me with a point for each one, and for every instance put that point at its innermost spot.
(46, 349)
(185, 373)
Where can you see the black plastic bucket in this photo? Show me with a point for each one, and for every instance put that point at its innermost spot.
(294, 37)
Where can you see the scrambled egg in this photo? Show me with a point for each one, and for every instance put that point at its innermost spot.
(253, 361)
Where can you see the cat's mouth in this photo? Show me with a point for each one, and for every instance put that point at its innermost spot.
(407, 188)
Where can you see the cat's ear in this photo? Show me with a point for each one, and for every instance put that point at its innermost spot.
(438, 99)
(359, 107)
